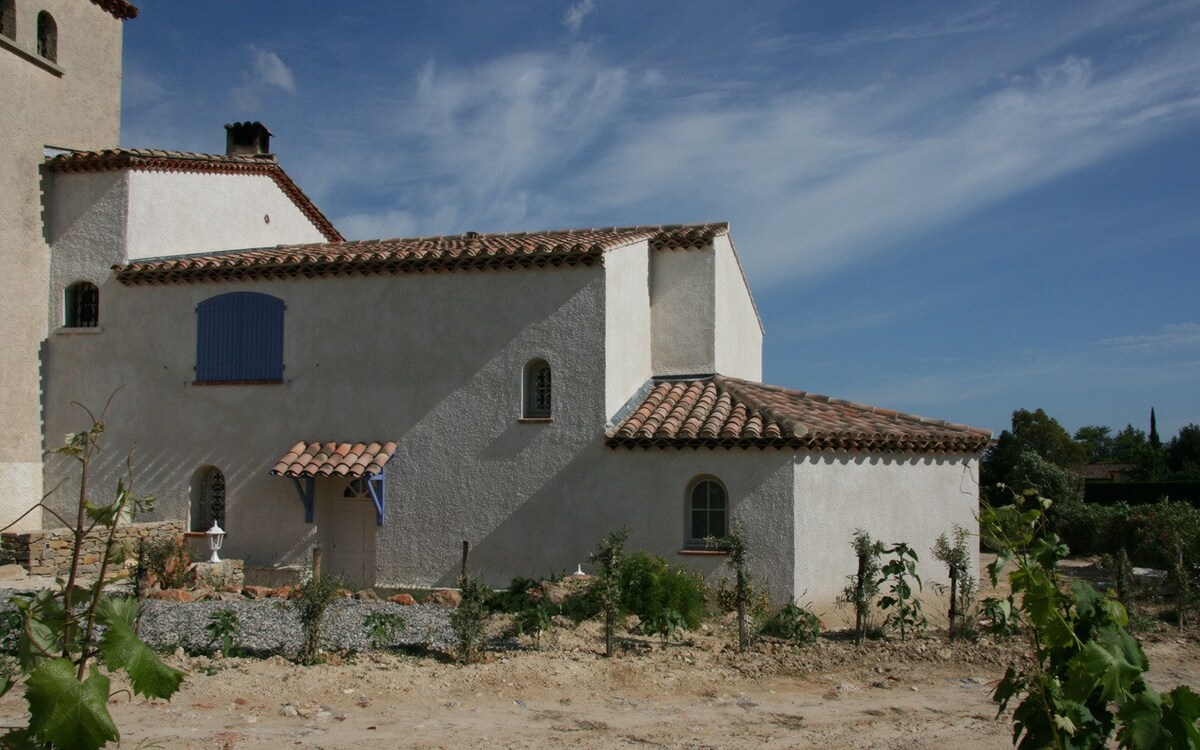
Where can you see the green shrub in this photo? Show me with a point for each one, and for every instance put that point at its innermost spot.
(793, 623)
(316, 594)
(168, 561)
(650, 587)
(469, 620)
(225, 632)
(515, 598)
(382, 628)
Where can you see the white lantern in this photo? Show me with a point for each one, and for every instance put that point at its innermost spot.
(216, 535)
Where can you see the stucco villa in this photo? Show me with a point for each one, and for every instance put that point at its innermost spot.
(388, 399)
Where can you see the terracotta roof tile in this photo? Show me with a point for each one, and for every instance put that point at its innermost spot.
(155, 160)
(721, 411)
(553, 248)
(317, 459)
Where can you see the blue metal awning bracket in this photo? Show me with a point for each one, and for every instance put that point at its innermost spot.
(306, 492)
(375, 485)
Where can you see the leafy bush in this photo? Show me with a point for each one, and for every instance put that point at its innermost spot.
(901, 602)
(534, 619)
(382, 628)
(225, 632)
(168, 561)
(315, 596)
(469, 620)
(1081, 679)
(514, 598)
(863, 585)
(793, 623)
(607, 589)
(958, 559)
(651, 587)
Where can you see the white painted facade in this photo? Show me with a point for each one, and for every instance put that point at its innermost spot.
(175, 213)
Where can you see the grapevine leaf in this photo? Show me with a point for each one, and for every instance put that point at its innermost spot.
(19, 739)
(1181, 709)
(122, 649)
(67, 713)
(1112, 665)
(1141, 721)
(45, 623)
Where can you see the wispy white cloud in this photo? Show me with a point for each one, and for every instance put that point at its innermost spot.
(1171, 337)
(267, 71)
(573, 19)
(271, 70)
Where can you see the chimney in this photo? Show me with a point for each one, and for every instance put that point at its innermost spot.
(247, 139)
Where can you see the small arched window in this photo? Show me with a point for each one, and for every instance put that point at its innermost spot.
(708, 511)
(81, 306)
(47, 36)
(538, 390)
(8, 18)
(208, 498)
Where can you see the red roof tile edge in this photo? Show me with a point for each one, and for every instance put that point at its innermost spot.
(544, 249)
(119, 9)
(333, 459)
(721, 411)
(153, 160)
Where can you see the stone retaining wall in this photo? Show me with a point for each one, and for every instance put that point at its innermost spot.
(48, 552)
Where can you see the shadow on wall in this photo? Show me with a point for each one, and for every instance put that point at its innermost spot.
(595, 493)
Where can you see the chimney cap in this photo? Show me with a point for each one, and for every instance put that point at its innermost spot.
(247, 139)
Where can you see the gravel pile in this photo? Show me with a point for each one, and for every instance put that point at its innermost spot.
(271, 625)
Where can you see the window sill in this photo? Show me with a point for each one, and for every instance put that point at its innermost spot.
(75, 330)
(701, 552)
(237, 382)
(536, 420)
(30, 55)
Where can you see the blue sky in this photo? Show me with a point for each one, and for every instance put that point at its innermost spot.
(955, 209)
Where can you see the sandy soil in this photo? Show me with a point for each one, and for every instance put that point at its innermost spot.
(927, 693)
(699, 694)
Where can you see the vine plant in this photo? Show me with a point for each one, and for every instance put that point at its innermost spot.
(61, 649)
(1083, 678)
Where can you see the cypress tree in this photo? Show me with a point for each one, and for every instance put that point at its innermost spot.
(1154, 441)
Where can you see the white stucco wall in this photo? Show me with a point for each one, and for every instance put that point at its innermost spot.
(175, 213)
(683, 310)
(738, 332)
(896, 498)
(433, 361)
(74, 103)
(626, 324)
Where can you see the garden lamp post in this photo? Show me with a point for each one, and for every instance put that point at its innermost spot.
(216, 535)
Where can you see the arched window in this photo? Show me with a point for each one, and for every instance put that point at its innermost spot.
(538, 389)
(47, 36)
(357, 489)
(239, 338)
(81, 305)
(708, 511)
(208, 498)
(8, 18)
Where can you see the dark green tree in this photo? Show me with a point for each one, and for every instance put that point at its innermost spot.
(1154, 441)
(1183, 452)
(1032, 431)
(1097, 440)
(1131, 446)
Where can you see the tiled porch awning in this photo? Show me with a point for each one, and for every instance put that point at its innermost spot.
(317, 459)
(307, 461)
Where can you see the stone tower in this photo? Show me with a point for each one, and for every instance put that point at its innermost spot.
(60, 64)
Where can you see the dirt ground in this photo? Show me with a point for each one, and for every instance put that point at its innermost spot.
(928, 693)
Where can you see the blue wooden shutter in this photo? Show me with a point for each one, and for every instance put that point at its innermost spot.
(240, 337)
